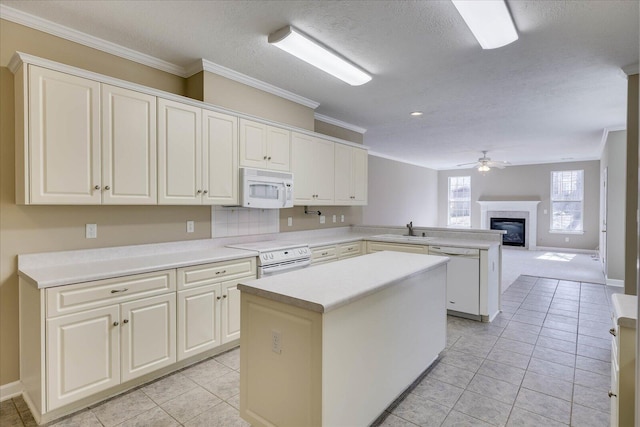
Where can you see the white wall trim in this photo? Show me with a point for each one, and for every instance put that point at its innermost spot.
(339, 123)
(615, 282)
(399, 160)
(85, 39)
(212, 67)
(566, 250)
(7, 391)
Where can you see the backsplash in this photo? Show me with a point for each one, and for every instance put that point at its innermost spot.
(237, 221)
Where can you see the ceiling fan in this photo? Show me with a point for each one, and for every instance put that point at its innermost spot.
(484, 163)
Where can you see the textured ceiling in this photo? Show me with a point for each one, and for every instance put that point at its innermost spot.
(545, 98)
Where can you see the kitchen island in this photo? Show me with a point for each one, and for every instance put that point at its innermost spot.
(335, 344)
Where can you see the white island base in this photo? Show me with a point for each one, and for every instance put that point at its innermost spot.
(336, 344)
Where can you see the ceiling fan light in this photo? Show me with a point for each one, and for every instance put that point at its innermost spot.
(303, 47)
(489, 21)
(484, 168)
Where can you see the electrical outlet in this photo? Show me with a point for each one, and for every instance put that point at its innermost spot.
(566, 239)
(341, 218)
(334, 218)
(190, 227)
(322, 219)
(276, 341)
(289, 221)
(91, 231)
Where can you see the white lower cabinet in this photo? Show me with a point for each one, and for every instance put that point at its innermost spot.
(330, 253)
(623, 360)
(209, 304)
(398, 247)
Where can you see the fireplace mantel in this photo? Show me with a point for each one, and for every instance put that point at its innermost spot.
(530, 206)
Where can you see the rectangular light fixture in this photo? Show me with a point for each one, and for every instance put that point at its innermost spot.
(297, 44)
(489, 21)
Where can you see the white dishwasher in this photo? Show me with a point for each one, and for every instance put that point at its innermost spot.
(463, 278)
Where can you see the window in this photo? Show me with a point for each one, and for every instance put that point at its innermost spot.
(567, 193)
(459, 214)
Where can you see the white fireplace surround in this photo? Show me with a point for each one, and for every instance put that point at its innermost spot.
(527, 206)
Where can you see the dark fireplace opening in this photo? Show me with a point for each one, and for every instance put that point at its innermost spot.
(515, 230)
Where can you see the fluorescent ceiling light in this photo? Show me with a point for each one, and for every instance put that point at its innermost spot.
(489, 21)
(297, 44)
(416, 113)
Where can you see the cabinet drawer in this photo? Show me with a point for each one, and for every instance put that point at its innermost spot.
(398, 247)
(200, 275)
(323, 253)
(82, 296)
(346, 250)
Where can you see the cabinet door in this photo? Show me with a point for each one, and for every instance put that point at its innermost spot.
(324, 175)
(83, 355)
(148, 331)
(303, 168)
(198, 320)
(179, 153)
(230, 324)
(128, 147)
(278, 149)
(253, 144)
(64, 138)
(343, 175)
(220, 158)
(359, 175)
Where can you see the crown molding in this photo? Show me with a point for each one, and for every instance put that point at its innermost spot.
(630, 69)
(399, 160)
(67, 33)
(212, 67)
(75, 36)
(339, 123)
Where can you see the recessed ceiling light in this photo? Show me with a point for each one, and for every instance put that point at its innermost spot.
(304, 47)
(416, 113)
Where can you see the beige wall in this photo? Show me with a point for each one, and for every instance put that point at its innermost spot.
(614, 160)
(338, 132)
(400, 193)
(531, 182)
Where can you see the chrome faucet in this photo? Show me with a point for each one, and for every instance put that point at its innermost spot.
(410, 227)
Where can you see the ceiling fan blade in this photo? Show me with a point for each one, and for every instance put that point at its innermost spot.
(468, 164)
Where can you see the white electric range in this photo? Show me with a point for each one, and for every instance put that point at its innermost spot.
(278, 256)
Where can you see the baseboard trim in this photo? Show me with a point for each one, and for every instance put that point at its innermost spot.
(615, 282)
(567, 250)
(7, 391)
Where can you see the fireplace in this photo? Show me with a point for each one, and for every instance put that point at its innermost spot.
(515, 228)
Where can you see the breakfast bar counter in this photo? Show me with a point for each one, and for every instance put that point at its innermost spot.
(335, 344)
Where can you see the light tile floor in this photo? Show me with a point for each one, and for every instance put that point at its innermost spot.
(545, 361)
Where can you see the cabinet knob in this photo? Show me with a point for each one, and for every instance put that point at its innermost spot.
(224, 296)
(612, 331)
(264, 158)
(205, 191)
(269, 158)
(106, 187)
(199, 191)
(125, 321)
(611, 394)
(97, 187)
(115, 323)
(218, 298)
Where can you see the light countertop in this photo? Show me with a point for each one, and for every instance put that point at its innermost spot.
(326, 287)
(625, 310)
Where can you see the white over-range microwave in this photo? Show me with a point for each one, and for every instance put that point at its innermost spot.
(265, 189)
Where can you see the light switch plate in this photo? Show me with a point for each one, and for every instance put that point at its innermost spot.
(289, 221)
(341, 218)
(190, 227)
(322, 219)
(334, 218)
(91, 231)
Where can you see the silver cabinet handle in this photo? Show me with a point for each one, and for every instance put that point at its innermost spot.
(324, 253)
(97, 187)
(106, 187)
(612, 394)
(221, 272)
(115, 323)
(117, 291)
(612, 331)
(125, 321)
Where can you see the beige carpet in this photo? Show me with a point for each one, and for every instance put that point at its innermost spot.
(557, 265)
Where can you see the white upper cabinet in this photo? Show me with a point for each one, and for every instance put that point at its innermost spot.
(313, 170)
(220, 158)
(63, 160)
(264, 147)
(351, 175)
(179, 153)
(128, 147)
